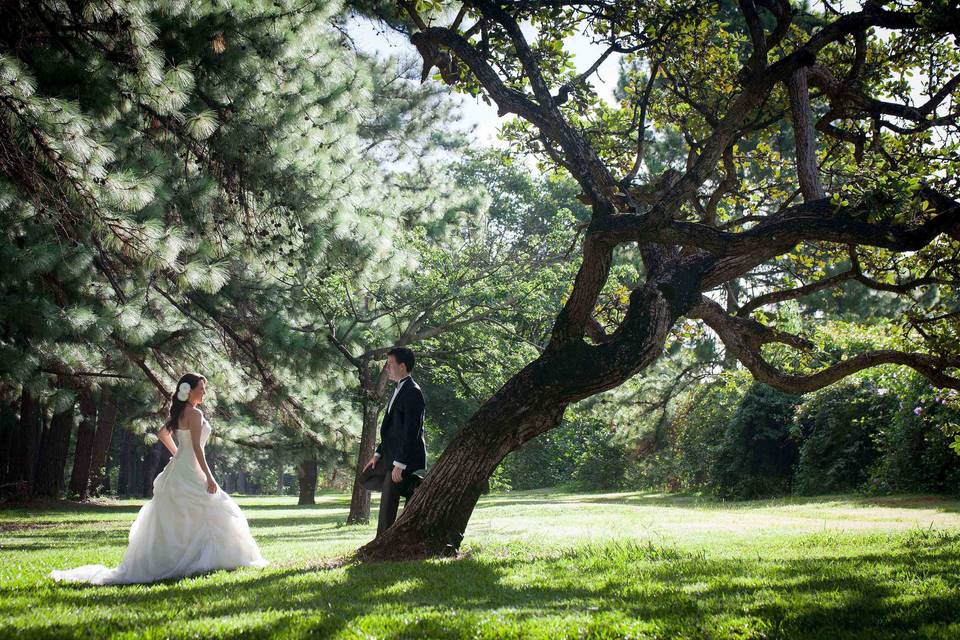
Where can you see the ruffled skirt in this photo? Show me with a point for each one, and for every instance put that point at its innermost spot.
(182, 531)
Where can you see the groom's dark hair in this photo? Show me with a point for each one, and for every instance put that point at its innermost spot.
(404, 356)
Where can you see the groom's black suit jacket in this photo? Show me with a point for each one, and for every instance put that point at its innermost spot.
(401, 432)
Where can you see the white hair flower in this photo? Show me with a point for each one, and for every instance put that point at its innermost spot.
(183, 391)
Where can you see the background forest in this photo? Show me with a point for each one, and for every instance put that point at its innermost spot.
(246, 194)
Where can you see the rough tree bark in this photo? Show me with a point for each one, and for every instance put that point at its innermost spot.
(307, 479)
(106, 423)
(83, 450)
(52, 465)
(371, 388)
(26, 446)
(804, 132)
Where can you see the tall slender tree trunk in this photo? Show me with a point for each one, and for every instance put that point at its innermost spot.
(8, 427)
(127, 473)
(307, 479)
(83, 451)
(371, 390)
(144, 463)
(51, 468)
(106, 423)
(26, 445)
(280, 486)
(242, 482)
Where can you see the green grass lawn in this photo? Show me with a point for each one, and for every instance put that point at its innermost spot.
(536, 565)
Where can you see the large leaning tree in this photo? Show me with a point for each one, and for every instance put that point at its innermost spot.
(802, 134)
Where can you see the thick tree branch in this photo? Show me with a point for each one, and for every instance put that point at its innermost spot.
(593, 176)
(742, 337)
(846, 98)
(819, 220)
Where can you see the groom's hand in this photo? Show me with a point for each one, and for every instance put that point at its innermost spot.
(370, 465)
(397, 474)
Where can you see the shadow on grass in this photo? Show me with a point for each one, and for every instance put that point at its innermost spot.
(620, 584)
(57, 507)
(330, 502)
(616, 589)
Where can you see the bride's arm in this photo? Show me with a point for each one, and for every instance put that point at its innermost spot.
(195, 421)
(164, 436)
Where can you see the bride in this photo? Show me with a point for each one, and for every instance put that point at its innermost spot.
(191, 525)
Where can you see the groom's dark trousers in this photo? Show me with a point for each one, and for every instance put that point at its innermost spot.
(389, 504)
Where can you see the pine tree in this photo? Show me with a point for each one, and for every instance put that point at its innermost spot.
(173, 170)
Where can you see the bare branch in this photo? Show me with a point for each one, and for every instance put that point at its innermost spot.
(791, 294)
(742, 337)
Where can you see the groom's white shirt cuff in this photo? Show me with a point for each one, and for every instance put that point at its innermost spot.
(398, 465)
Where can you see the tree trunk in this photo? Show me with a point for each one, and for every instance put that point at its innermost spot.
(530, 403)
(26, 446)
(281, 488)
(52, 465)
(106, 423)
(127, 473)
(307, 479)
(808, 173)
(242, 482)
(83, 451)
(8, 427)
(148, 462)
(371, 390)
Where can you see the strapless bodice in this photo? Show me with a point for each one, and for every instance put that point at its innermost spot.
(185, 444)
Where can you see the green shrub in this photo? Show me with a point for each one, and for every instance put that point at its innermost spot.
(603, 461)
(838, 426)
(915, 452)
(700, 428)
(548, 460)
(757, 454)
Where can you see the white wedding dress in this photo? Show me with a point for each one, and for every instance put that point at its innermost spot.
(183, 530)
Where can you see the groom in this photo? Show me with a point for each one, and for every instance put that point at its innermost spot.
(402, 446)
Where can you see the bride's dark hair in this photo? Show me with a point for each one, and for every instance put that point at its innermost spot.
(177, 405)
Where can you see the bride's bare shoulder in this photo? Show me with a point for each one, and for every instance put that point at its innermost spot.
(191, 417)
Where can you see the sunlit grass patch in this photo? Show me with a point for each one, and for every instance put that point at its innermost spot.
(534, 565)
